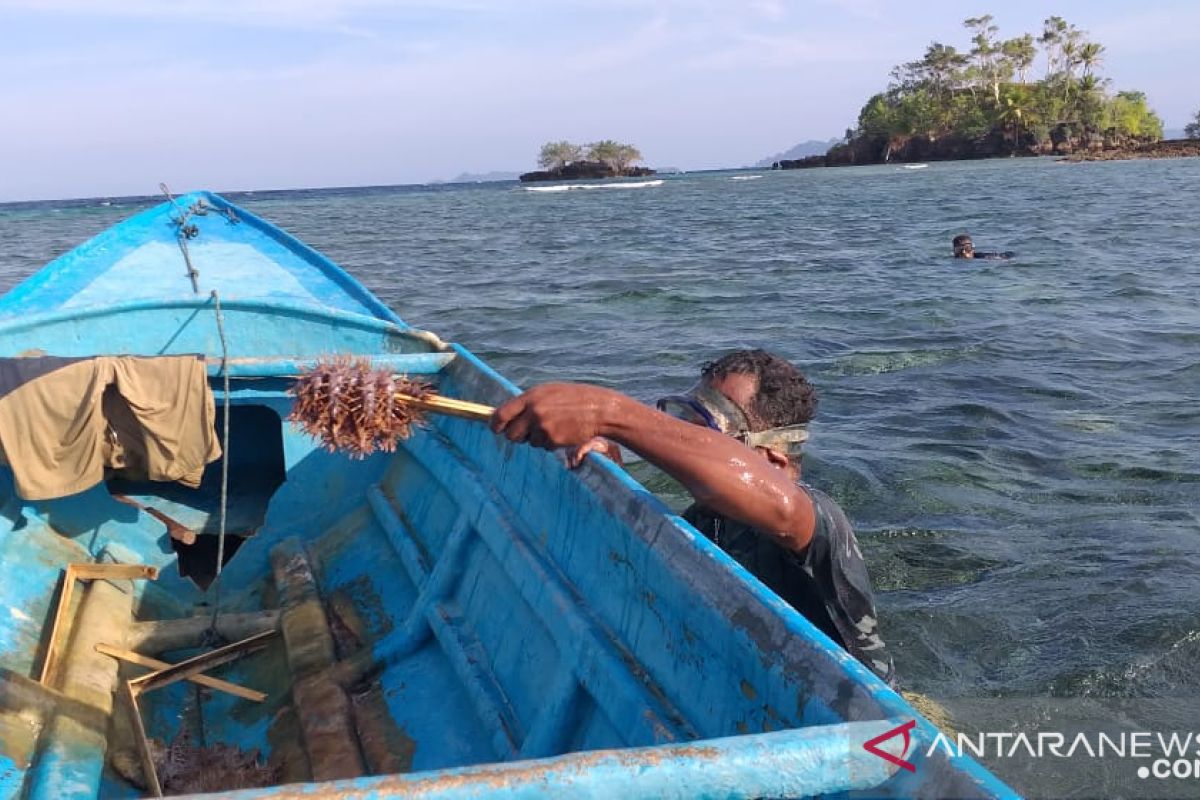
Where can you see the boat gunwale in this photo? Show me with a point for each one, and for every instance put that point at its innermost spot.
(20, 324)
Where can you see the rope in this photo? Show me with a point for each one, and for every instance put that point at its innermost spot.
(191, 230)
(186, 232)
(224, 460)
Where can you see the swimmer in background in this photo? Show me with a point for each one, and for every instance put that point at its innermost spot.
(965, 248)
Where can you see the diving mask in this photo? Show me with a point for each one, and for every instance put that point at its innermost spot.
(704, 405)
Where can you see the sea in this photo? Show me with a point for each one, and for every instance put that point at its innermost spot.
(1016, 442)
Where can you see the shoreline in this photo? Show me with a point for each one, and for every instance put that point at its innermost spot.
(1166, 148)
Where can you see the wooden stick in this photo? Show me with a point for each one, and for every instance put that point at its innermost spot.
(450, 406)
(176, 529)
(201, 663)
(139, 731)
(204, 680)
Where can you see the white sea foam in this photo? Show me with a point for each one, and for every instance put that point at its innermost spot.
(915, 166)
(745, 177)
(565, 187)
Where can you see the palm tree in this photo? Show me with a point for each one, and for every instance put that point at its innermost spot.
(1090, 56)
(1091, 102)
(1015, 112)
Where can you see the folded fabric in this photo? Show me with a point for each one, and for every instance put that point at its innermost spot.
(64, 420)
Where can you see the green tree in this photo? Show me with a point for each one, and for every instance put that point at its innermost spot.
(877, 118)
(1054, 29)
(942, 66)
(1128, 114)
(987, 53)
(1021, 53)
(556, 155)
(627, 156)
(976, 95)
(615, 155)
(604, 151)
(1192, 129)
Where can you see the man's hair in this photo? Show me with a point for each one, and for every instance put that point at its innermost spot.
(961, 239)
(784, 395)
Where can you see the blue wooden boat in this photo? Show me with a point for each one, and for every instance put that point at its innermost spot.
(461, 618)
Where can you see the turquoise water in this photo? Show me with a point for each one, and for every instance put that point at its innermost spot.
(1018, 443)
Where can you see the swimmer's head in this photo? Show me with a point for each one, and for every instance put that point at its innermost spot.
(963, 246)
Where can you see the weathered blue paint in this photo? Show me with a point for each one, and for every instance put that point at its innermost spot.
(497, 606)
(794, 763)
(10, 777)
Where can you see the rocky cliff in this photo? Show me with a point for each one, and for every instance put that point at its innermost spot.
(1064, 140)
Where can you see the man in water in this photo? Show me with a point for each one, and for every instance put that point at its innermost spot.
(734, 442)
(965, 248)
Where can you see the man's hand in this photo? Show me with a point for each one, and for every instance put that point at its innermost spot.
(557, 415)
(604, 447)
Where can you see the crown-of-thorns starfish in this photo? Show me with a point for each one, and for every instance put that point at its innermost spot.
(353, 408)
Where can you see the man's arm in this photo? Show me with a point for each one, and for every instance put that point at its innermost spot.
(723, 474)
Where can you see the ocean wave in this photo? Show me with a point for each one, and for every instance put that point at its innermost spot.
(745, 177)
(566, 187)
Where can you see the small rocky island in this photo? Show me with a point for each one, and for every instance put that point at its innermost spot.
(982, 103)
(604, 159)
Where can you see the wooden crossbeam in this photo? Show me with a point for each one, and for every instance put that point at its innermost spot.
(204, 680)
(112, 572)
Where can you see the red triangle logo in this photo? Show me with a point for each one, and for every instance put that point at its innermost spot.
(872, 746)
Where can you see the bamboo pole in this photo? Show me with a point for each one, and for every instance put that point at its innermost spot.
(450, 406)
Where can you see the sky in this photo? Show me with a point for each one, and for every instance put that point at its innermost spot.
(100, 98)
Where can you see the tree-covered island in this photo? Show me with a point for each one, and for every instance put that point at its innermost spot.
(604, 159)
(986, 102)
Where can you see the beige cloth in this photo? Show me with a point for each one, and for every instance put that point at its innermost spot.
(148, 417)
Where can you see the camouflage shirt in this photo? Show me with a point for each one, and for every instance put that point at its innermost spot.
(827, 583)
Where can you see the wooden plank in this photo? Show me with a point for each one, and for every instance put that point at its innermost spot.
(112, 572)
(198, 664)
(60, 616)
(204, 680)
